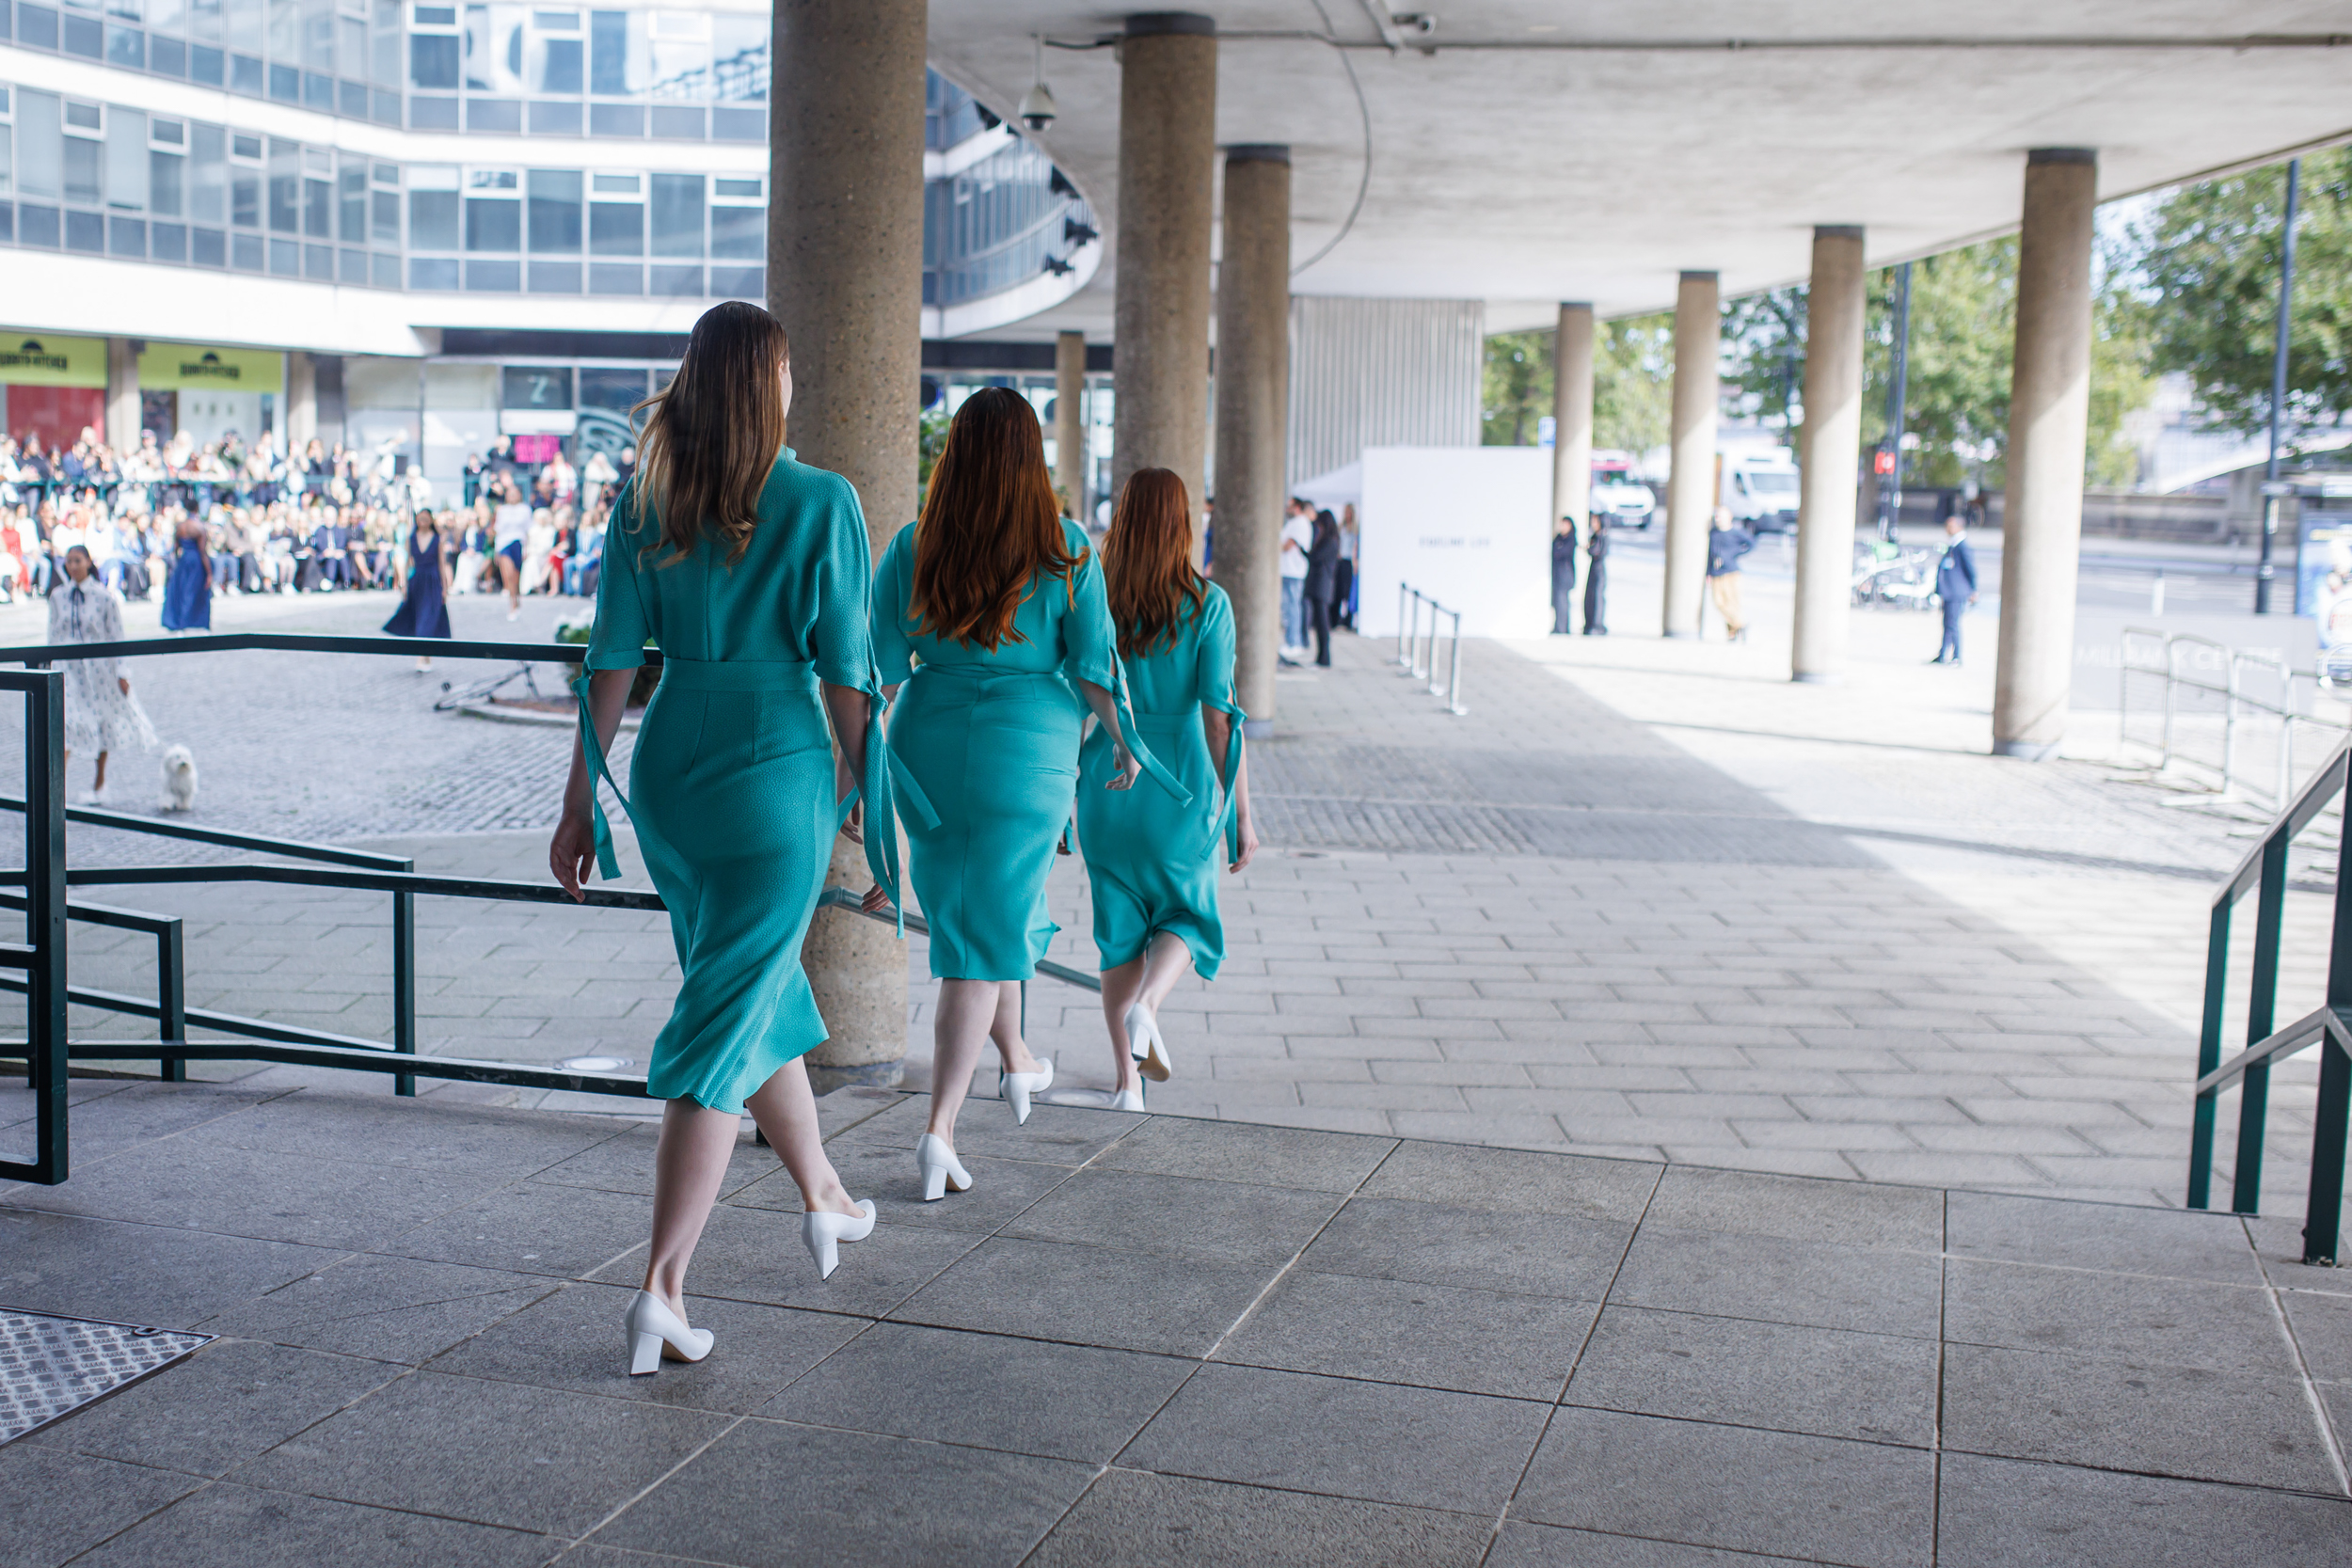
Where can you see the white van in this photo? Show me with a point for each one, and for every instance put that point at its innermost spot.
(1625, 502)
(1761, 488)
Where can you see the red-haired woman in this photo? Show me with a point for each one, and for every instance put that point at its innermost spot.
(990, 608)
(1152, 860)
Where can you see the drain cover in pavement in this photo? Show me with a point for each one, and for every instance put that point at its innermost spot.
(52, 1366)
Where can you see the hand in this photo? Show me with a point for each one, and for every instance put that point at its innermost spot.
(572, 853)
(875, 899)
(1128, 770)
(853, 825)
(1247, 833)
(125, 682)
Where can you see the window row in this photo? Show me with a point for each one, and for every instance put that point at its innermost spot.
(574, 212)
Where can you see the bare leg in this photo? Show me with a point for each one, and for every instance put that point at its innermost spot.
(101, 785)
(689, 1164)
(1120, 987)
(786, 1110)
(513, 579)
(970, 1013)
(1164, 965)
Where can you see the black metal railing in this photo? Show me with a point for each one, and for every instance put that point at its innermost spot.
(43, 958)
(2263, 872)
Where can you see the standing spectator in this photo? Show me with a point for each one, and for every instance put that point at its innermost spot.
(1727, 543)
(424, 606)
(581, 572)
(101, 715)
(598, 477)
(1563, 576)
(1322, 576)
(563, 479)
(511, 529)
(1298, 536)
(188, 591)
(538, 547)
(1596, 576)
(1344, 597)
(1955, 584)
(474, 471)
(627, 467)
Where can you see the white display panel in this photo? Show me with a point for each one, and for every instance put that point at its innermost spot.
(1468, 526)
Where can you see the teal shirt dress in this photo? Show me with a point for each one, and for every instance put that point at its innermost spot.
(1152, 862)
(984, 752)
(731, 788)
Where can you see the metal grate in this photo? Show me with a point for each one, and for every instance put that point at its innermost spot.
(50, 1366)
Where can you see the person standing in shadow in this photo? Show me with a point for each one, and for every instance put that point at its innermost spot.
(1596, 576)
(1564, 577)
(1323, 583)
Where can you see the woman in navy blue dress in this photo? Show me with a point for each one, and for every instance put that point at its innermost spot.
(188, 591)
(424, 608)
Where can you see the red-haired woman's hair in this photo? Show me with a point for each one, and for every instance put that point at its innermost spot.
(990, 525)
(1147, 563)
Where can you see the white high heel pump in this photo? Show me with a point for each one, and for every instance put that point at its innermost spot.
(651, 1325)
(823, 1231)
(1016, 1087)
(1147, 1045)
(942, 1171)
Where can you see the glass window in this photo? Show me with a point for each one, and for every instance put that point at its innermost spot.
(615, 391)
(677, 215)
(738, 233)
(285, 187)
(208, 174)
(284, 31)
(351, 50)
(433, 61)
(555, 211)
(41, 158)
(6, 148)
(547, 386)
(126, 161)
(433, 207)
(679, 42)
(608, 61)
(738, 58)
(317, 36)
(351, 191)
(494, 49)
(204, 21)
(167, 167)
(616, 227)
(494, 213)
(387, 44)
(85, 181)
(556, 65)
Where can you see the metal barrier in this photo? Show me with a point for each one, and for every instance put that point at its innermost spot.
(2328, 1026)
(1409, 656)
(46, 879)
(2229, 713)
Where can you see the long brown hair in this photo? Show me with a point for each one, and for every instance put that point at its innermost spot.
(1146, 561)
(990, 523)
(713, 433)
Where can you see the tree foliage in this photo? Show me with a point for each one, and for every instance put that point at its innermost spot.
(2208, 273)
(1632, 384)
(1518, 388)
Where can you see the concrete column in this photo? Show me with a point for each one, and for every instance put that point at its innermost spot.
(1572, 417)
(845, 275)
(1831, 452)
(1166, 197)
(302, 402)
(1691, 491)
(2048, 422)
(1069, 424)
(122, 394)
(1253, 359)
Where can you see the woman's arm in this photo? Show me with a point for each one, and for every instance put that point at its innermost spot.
(851, 713)
(572, 853)
(1106, 714)
(1219, 725)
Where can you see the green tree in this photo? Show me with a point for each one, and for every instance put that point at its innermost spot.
(1518, 388)
(1764, 355)
(2208, 270)
(1633, 379)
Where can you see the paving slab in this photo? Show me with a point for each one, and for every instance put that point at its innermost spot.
(1155, 1521)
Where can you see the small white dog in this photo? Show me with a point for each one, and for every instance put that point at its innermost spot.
(178, 779)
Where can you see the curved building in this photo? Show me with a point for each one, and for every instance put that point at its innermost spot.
(369, 219)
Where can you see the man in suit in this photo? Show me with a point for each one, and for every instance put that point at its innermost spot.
(1955, 584)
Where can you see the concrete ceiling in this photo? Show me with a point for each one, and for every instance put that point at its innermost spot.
(1548, 151)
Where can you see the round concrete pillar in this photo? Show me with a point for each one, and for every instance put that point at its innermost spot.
(845, 275)
(1254, 313)
(1690, 490)
(1166, 202)
(1572, 417)
(302, 402)
(1831, 456)
(122, 396)
(2048, 422)
(1069, 425)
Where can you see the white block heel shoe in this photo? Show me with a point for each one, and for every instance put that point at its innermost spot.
(942, 1173)
(1147, 1045)
(823, 1233)
(1016, 1087)
(651, 1325)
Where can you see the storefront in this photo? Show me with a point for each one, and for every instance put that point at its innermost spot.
(210, 392)
(52, 387)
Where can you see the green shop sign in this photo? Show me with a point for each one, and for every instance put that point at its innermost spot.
(193, 367)
(46, 359)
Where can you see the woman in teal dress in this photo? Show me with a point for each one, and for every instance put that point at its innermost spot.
(1150, 860)
(751, 573)
(991, 610)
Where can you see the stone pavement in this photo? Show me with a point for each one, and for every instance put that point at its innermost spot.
(1145, 1340)
(1647, 899)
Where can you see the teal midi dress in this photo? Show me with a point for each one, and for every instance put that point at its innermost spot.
(1152, 863)
(731, 788)
(984, 754)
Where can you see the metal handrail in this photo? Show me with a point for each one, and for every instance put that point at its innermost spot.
(2265, 872)
(1408, 646)
(2237, 702)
